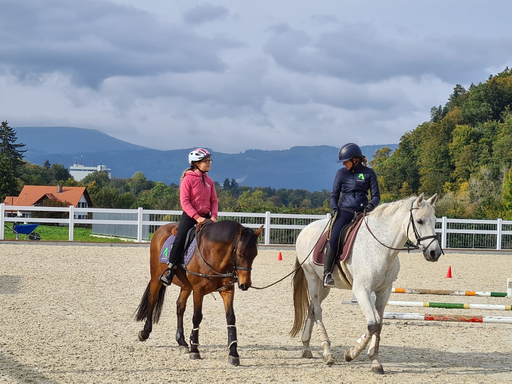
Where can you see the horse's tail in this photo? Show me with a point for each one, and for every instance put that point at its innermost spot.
(142, 311)
(300, 299)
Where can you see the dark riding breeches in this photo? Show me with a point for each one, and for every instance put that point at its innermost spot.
(343, 218)
(176, 254)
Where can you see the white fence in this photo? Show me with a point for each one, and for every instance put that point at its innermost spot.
(279, 229)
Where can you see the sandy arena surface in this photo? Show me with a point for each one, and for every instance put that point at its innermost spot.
(67, 317)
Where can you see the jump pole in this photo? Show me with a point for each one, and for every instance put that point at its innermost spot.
(459, 318)
(449, 305)
(447, 292)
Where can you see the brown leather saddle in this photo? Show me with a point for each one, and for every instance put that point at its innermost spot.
(348, 235)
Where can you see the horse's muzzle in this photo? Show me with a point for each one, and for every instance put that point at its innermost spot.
(432, 255)
(244, 287)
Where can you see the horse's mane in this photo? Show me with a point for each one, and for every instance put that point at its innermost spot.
(223, 231)
(388, 209)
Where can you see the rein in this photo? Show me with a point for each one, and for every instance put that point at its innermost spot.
(419, 239)
(233, 275)
(300, 265)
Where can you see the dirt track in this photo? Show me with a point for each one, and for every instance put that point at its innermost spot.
(67, 317)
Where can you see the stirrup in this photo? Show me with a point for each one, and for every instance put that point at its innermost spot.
(166, 278)
(328, 281)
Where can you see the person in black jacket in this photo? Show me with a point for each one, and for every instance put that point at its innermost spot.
(351, 182)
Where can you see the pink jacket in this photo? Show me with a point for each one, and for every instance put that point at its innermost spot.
(198, 198)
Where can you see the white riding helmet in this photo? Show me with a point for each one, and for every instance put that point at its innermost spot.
(198, 154)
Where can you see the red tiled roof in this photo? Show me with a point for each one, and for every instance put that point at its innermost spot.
(31, 194)
(10, 200)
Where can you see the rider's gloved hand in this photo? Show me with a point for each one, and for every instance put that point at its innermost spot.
(334, 212)
(369, 207)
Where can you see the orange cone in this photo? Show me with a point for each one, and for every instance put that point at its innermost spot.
(280, 257)
(449, 274)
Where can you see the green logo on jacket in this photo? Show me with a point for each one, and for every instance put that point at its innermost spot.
(360, 176)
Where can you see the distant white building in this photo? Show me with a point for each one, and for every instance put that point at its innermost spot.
(79, 171)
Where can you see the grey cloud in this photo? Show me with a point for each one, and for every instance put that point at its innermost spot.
(358, 52)
(91, 41)
(205, 13)
(323, 19)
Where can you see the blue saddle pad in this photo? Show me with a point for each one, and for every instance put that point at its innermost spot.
(166, 250)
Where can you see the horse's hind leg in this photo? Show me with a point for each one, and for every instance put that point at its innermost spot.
(181, 305)
(322, 332)
(227, 297)
(318, 294)
(306, 334)
(150, 308)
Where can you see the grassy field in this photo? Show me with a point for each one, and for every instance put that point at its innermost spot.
(55, 233)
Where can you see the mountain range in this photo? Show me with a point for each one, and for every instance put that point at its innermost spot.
(310, 168)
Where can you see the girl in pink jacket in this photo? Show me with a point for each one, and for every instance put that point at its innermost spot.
(199, 202)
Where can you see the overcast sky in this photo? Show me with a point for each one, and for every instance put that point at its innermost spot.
(234, 75)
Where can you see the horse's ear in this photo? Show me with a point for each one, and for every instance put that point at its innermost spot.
(418, 201)
(258, 231)
(432, 200)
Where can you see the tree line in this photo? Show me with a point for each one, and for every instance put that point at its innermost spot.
(463, 153)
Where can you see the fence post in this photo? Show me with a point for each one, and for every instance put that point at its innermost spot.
(444, 232)
(498, 235)
(139, 224)
(2, 215)
(71, 222)
(267, 228)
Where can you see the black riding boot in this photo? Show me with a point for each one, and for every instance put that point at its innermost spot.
(330, 258)
(167, 275)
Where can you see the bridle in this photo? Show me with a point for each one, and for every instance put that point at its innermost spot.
(215, 274)
(417, 235)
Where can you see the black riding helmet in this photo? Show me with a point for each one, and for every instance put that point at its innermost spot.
(349, 151)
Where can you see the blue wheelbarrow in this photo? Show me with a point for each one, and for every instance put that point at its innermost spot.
(25, 229)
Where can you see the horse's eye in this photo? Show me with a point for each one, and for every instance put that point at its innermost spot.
(420, 222)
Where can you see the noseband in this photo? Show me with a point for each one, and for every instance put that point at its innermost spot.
(419, 238)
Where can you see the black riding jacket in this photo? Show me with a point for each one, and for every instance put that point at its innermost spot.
(353, 186)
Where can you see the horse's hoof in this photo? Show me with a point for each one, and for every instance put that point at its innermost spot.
(307, 354)
(348, 356)
(234, 361)
(183, 349)
(195, 356)
(141, 336)
(377, 368)
(329, 360)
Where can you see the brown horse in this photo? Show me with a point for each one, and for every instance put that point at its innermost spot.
(224, 255)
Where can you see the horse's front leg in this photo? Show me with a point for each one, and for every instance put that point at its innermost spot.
(382, 298)
(196, 321)
(181, 305)
(227, 297)
(373, 325)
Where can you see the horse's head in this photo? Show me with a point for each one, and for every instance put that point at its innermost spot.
(421, 227)
(246, 252)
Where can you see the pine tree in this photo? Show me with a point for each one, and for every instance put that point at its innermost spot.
(11, 159)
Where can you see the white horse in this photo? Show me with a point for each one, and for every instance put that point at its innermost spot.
(372, 265)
